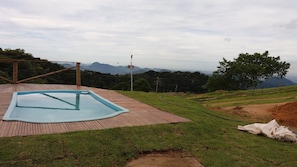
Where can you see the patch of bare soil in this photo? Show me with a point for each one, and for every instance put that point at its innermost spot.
(255, 112)
(284, 113)
(164, 159)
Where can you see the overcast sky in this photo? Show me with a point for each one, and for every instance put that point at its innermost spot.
(174, 34)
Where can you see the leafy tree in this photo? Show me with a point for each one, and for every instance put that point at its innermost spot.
(122, 86)
(3, 74)
(142, 85)
(17, 54)
(246, 71)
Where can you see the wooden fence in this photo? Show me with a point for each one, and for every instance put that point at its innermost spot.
(15, 71)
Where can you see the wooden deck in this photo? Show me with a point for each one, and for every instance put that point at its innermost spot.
(140, 113)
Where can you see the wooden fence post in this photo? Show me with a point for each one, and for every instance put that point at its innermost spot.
(15, 72)
(78, 79)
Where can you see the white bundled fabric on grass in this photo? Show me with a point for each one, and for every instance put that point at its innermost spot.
(272, 130)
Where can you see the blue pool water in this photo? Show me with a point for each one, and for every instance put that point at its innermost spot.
(53, 106)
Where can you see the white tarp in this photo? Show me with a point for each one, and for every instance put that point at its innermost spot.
(271, 129)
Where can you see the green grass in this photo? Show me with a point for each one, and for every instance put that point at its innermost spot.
(211, 138)
(258, 96)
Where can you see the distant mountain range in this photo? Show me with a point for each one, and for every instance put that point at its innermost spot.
(121, 70)
(113, 70)
(276, 82)
(292, 77)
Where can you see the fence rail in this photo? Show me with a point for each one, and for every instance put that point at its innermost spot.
(15, 71)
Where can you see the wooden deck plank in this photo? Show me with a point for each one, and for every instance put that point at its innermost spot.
(117, 121)
(139, 113)
(93, 125)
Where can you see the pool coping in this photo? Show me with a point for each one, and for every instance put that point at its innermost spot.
(140, 113)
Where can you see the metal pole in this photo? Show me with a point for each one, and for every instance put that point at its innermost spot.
(131, 70)
(78, 76)
(157, 84)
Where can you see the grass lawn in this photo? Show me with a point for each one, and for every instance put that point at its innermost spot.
(211, 137)
(258, 96)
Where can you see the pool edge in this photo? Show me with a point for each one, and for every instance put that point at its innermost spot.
(13, 103)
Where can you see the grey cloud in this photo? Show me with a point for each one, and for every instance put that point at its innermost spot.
(291, 25)
(150, 29)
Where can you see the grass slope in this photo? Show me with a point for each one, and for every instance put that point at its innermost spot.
(211, 138)
(257, 96)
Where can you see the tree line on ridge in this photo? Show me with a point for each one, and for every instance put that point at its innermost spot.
(244, 72)
(149, 81)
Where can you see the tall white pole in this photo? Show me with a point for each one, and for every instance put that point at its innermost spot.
(131, 70)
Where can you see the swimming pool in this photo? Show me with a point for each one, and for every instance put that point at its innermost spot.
(54, 106)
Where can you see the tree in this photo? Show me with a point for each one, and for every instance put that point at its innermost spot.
(142, 85)
(246, 71)
(122, 86)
